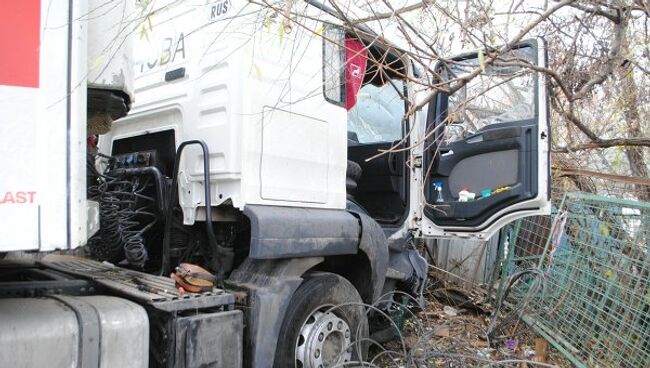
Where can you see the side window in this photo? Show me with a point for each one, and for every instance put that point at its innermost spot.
(377, 116)
(503, 92)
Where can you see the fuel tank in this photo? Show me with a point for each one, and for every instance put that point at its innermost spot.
(67, 331)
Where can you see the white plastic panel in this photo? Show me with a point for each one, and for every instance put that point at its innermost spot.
(293, 144)
(110, 56)
(42, 140)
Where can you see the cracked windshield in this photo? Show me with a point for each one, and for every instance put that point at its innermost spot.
(378, 114)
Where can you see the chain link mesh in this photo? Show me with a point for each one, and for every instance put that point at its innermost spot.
(593, 252)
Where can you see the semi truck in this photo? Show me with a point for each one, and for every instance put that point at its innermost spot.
(281, 153)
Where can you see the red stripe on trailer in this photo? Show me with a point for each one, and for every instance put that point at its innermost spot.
(20, 25)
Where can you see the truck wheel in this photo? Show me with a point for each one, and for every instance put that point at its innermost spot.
(311, 336)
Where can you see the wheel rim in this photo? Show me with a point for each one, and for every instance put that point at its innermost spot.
(323, 341)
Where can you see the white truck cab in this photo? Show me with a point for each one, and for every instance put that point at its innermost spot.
(255, 94)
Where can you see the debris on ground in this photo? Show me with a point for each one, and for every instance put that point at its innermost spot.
(579, 278)
(450, 311)
(444, 336)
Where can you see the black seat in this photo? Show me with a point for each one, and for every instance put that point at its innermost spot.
(352, 176)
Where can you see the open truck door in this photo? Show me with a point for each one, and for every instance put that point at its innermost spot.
(488, 140)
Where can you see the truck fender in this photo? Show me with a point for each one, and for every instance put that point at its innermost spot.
(291, 232)
(317, 232)
(270, 284)
(374, 245)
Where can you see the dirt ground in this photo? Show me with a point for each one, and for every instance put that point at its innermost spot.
(452, 333)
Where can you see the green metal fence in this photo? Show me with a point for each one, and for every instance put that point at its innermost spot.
(593, 254)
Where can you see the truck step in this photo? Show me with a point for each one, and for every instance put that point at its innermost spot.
(156, 291)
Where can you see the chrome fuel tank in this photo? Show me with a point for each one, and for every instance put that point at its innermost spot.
(67, 331)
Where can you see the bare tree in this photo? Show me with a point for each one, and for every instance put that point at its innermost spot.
(598, 72)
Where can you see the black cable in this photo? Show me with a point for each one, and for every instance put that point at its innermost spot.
(219, 252)
(536, 290)
(123, 208)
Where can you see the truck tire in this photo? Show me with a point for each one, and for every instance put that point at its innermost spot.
(312, 335)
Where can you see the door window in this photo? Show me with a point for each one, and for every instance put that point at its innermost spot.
(504, 92)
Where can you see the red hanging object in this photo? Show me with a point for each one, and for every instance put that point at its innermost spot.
(92, 141)
(356, 59)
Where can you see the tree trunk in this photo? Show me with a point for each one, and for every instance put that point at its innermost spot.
(629, 95)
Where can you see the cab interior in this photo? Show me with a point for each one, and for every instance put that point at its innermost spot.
(376, 123)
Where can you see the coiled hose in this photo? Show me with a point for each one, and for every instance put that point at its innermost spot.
(124, 218)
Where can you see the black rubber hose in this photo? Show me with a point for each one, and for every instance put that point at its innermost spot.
(208, 210)
(147, 170)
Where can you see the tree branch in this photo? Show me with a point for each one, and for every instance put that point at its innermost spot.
(606, 143)
(613, 56)
(406, 9)
(597, 11)
(574, 171)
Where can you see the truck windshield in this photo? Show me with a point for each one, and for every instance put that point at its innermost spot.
(378, 114)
